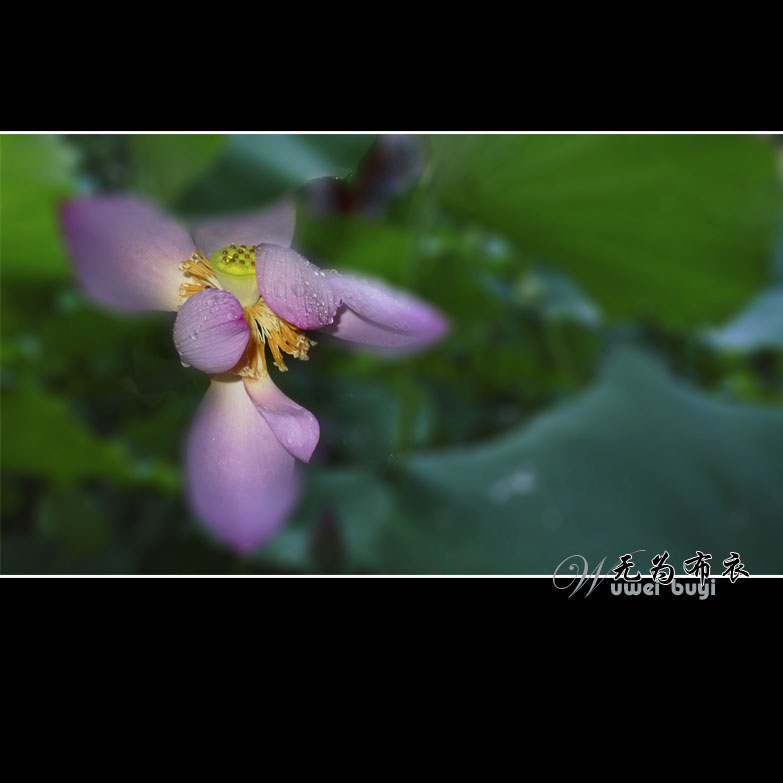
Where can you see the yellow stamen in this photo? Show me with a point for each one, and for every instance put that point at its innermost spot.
(196, 267)
(267, 329)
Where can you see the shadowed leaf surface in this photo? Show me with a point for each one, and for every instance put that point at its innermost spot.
(640, 461)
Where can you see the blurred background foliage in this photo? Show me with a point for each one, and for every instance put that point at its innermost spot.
(613, 382)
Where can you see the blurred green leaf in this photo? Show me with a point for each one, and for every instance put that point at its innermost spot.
(43, 437)
(258, 168)
(759, 325)
(359, 419)
(453, 268)
(640, 461)
(360, 507)
(556, 297)
(386, 250)
(37, 174)
(167, 163)
(676, 226)
(75, 521)
(366, 509)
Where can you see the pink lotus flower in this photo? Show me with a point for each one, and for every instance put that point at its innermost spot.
(239, 291)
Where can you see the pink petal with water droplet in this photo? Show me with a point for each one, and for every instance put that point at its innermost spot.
(210, 332)
(295, 289)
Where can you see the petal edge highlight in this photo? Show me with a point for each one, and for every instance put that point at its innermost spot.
(294, 426)
(377, 315)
